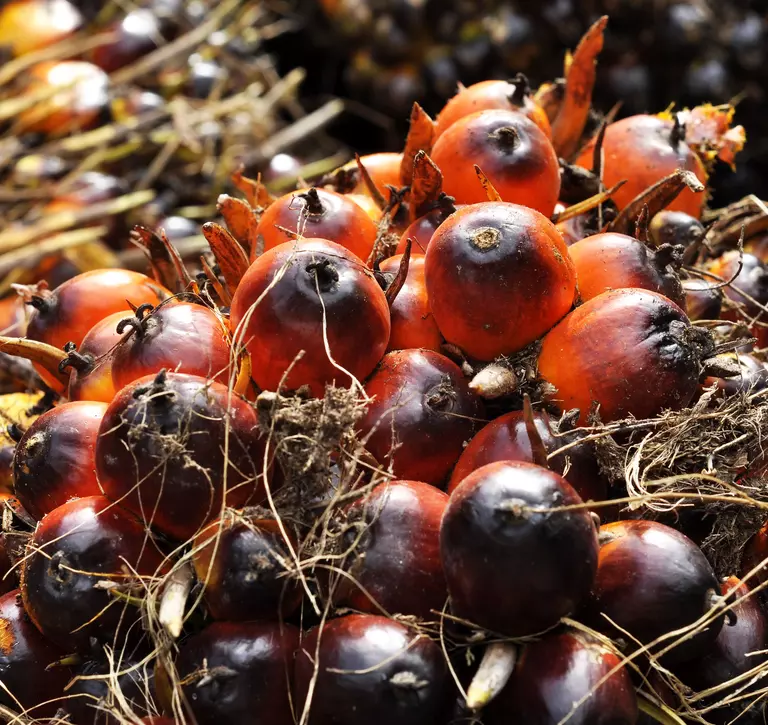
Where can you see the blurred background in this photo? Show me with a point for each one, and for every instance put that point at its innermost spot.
(381, 55)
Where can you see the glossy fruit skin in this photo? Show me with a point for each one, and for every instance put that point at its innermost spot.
(90, 535)
(640, 149)
(368, 205)
(90, 690)
(737, 650)
(421, 230)
(396, 557)
(260, 657)
(383, 168)
(512, 151)
(652, 580)
(184, 337)
(77, 107)
(374, 657)
(290, 316)
(558, 671)
(424, 399)
(93, 379)
(486, 96)
(625, 350)
(24, 656)
(702, 302)
(178, 486)
(675, 227)
(751, 279)
(242, 565)
(28, 25)
(339, 219)
(67, 313)
(510, 572)
(752, 378)
(506, 439)
(413, 325)
(498, 277)
(55, 458)
(613, 261)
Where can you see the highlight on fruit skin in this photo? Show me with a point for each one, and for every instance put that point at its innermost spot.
(394, 551)
(55, 459)
(512, 151)
(627, 351)
(421, 413)
(78, 544)
(371, 668)
(324, 303)
(498, 277)
(216, 453)
(226, 500)
(644, 149)
(652, 582)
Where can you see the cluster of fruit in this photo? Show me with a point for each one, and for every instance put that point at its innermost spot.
(312, 482)
(384, 53)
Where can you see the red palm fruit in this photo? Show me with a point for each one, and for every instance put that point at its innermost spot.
(27, 25)
(184, 337)
(242, 563)
(413, 325)
(318, 213)
(76, 546)
(75, 93)
(703, 300)
(749, 275)
(631, 351)
(498, 277)
(563, 671)
(752, 377)
(506, 439)
(511, 95)
(512, 151)
(509, 567)
(55, 458)
(421, 230)
(394, 543)
(370, 669)
(293, 297)
(652, 581)
(173, 448)
(643, 150)
(421, 414)
(368, 205)
(383, 168)
(91, 364)
(738, 649)
(613, 261)
(29, 684)
(13, 317)
(98, 686)
(675, 227)
(67, 313)
(233, 670)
